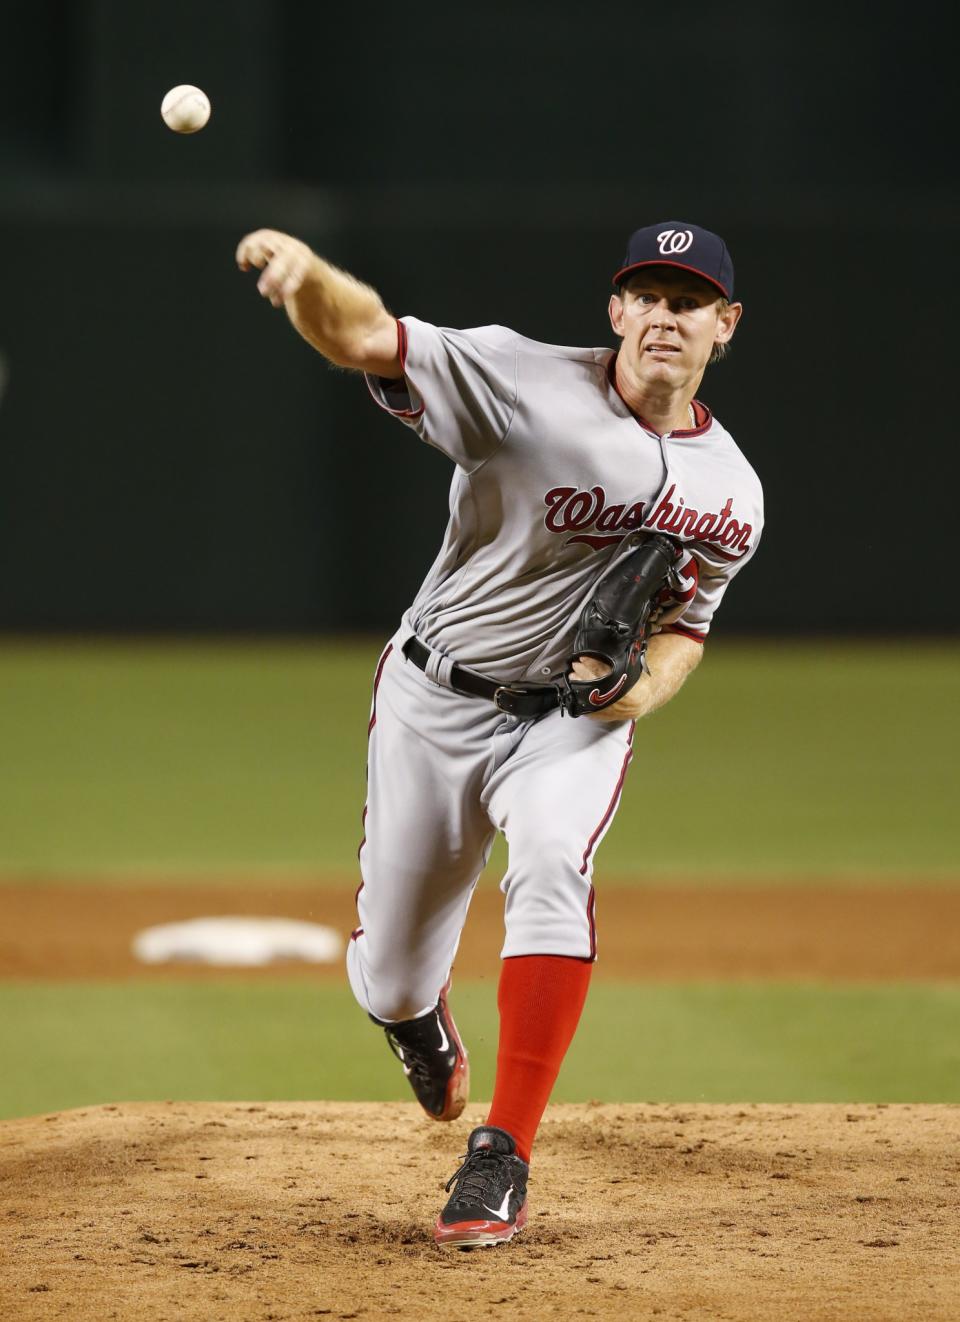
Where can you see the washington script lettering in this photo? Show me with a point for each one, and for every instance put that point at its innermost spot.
(570, 510)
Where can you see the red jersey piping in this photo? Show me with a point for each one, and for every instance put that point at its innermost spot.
(611, 807)
(402, 353)
(687, 633)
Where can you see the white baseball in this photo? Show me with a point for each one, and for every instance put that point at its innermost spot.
(185, 109)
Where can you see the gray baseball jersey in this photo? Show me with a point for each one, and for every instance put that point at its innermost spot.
(554, 475)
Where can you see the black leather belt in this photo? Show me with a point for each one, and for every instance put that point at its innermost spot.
(525, 701)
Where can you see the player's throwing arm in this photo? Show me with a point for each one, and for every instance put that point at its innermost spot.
(341, 317)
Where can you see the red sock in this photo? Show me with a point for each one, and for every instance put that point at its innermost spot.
(540, 999)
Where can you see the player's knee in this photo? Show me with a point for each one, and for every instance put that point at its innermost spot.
(383, 993)
(392, 1006)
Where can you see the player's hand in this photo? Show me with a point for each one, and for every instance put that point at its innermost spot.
(626, 709)
(284, 261)
(589, 667)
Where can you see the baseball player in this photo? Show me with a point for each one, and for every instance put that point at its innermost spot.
(598, 512)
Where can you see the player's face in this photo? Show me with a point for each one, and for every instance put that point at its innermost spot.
(669, 321)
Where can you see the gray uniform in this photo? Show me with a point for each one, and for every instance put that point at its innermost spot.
(554, 478)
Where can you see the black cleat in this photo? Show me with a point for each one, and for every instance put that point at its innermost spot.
(489, 1202)
(434, 1059)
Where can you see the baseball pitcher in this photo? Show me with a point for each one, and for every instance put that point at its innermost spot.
(598, 512)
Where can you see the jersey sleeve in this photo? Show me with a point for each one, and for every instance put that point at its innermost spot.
(704, 579)
(459, 388)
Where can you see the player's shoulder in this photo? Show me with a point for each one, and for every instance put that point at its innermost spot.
(726, 448)
(499, 337)
(547, 366)
(504, 337)
(491, 337)
(563, 353)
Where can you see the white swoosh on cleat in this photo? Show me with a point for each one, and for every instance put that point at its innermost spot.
(501, 1212)
(444, 1044)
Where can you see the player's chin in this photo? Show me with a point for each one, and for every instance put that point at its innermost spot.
(661, 366)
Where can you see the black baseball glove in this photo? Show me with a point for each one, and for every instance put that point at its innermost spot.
(614, 625)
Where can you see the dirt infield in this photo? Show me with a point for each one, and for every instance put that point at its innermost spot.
(49, 931)
(293, 1211)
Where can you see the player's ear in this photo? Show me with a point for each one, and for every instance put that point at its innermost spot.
(616, 314)
(727, 322)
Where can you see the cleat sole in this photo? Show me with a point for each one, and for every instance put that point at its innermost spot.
(477, 1234)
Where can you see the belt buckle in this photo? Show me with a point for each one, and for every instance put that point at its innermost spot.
(503, 688)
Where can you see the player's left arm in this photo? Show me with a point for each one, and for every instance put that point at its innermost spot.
(671, 657)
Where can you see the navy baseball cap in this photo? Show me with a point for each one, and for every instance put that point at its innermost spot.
(678, 243)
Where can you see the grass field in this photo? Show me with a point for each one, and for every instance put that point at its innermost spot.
(84, 1043)
(799, 761)
(779, 764)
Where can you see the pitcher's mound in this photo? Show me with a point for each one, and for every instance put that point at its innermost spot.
(309, 1210)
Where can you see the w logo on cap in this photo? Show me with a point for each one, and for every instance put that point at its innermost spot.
(673, 241)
